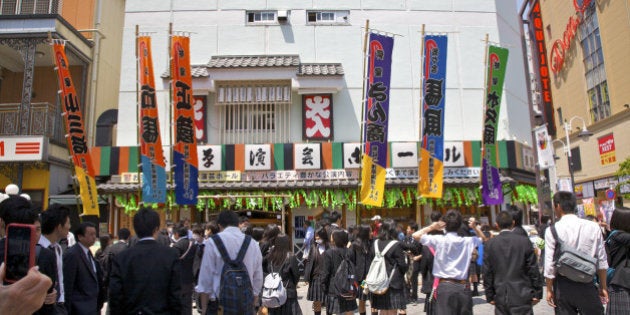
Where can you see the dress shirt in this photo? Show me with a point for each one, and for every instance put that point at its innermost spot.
(212, 262)
(452, 254)
(44, 242)
(584, 235)
(308, 238)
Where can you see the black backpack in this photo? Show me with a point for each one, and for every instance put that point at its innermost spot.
(236, 294)
(345, 279)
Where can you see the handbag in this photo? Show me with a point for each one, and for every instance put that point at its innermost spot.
(621, 277)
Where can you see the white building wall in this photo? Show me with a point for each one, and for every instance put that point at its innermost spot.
(219, 28)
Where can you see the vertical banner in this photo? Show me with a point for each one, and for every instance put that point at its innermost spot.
(185, 142)
(374, 163)
(431, 168)
(491, 190)
(607, 149)
(151, 153)
(77, 144)
(544, 148)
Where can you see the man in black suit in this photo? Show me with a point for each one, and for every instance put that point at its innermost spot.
(146, 277)
(82, 274)
(186, 251)
(511, 278)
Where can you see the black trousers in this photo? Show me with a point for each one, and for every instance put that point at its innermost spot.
(513, 310)
(453, 298)
(573, 297)
(414, 280)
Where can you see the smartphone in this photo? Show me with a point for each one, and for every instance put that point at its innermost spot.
(19, 251)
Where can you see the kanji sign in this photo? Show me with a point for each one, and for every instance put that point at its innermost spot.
(318, 117)
(307, 156)
(22, 148)
(258, 157)
(607, 149)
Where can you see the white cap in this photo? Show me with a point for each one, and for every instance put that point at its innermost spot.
(26, 196)
(376, 217)
(12, 189)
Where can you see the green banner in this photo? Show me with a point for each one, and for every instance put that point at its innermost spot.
(497, 63)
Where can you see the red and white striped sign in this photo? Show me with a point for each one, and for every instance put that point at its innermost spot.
(18, 149)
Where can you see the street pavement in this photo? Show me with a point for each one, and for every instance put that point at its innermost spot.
(480, 305)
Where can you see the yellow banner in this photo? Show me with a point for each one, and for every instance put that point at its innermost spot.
(372, 182)
(431, 173)
(77, 144)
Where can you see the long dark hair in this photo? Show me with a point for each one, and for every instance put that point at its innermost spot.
(270, 234)
(323, 235)
(362, 240)
(280, 251)
(388, 230)
(620, 219)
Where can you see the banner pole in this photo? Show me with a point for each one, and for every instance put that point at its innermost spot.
(361, 125)
(485, 99)
(139, 120)
(170, 113)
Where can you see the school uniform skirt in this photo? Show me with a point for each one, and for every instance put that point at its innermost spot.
(337, 305)
(393, 299)
(315, 291)
(618, 301)
(290, 307)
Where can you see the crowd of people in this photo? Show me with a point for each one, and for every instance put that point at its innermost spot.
(229, 266)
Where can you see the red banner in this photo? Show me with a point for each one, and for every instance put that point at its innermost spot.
(75, 133)
(607, 149)
(318, 117)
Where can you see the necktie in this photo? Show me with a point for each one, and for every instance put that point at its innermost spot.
(91, 261)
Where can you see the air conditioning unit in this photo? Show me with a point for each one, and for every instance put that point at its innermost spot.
(283, 16)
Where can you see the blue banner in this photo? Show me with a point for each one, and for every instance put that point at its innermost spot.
(431, 169)
(376, 119)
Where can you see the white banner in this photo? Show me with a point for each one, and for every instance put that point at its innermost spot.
(544, 148)
(20, 148)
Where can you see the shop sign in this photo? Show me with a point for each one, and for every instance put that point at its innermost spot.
(404, 154)
(318, 117)
(338, 174)
(564, 184)
(199, 108)
(129, 178)
(21, 149)
(352, 155)
(401, 173)
(584, 190)
(307, 156)
(209, 157)
(607, 149)
(561, 46)
(462, 172)
(528, 159)
(605, 183)
(454, 154)
(257, 157)
(225, 176)
(624, 188)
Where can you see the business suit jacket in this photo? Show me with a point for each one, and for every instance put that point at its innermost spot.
(187, 257)
(146, 278)
(83, 286)
(511, 275)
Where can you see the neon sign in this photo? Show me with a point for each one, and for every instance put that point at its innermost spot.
(538, 38)
(560, 46)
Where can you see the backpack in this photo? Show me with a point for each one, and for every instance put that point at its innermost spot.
(573, 263)
(274, 293)
(610, 272)
(235, 287)
(377, 280)
(345, 281)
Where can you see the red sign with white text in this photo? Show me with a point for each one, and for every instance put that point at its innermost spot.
(318, 115)
(607, 149)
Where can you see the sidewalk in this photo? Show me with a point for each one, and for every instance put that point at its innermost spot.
(480, 305)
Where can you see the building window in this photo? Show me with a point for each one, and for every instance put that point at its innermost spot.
(596, 85)
(254, 112)
(14, 7)
(261, 17)
(327, 17)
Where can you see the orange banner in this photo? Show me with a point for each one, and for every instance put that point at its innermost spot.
(75, 133)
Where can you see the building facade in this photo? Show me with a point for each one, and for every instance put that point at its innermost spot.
(34, 151)
(580, 49)
(259, 66)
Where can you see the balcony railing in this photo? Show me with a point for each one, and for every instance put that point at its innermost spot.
(20, 7)
(44, 119)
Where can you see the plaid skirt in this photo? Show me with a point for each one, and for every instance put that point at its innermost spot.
(618, 301)
(392, 300)
(290, 307)
(315, 291)
(336, 305)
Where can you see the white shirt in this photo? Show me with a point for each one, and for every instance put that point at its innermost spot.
(583, 235)
(44, 242)
(212, 262)
(452, 254)
(87, 256)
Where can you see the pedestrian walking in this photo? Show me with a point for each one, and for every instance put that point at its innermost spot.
(313, 270)
(361, 254)
(282, 261)
(618, 248)
(332, 259)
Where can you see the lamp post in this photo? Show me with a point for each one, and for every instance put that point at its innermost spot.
(584, 133)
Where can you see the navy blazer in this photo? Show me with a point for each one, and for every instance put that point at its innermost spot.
(83, 286)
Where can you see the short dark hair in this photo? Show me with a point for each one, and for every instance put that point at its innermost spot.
(453, 220)
(213, 227)
(517, 215)
(334, 216)
(387, 231)
(124, 234)
(80, 230)
(227, 218)
(181, 230)
(53, 217)
(17, 209)
(242, 219)
(620, 219)
(340, 238)
(145, 222)
(436, 216)
(413, 225)
(566, 200)
(505, 219)
(257, 233)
